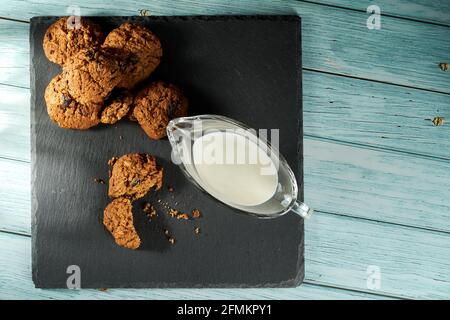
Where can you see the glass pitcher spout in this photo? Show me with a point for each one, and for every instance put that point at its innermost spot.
(303, 210)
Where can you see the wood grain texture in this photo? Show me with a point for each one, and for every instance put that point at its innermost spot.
(413, 263)
(375, 114)
(15, 283)
(334, 40)
(14, 53)
(377, 185)
(15, 200)
(15, 123)
(436, 11)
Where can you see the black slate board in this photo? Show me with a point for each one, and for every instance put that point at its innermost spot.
(244, 67)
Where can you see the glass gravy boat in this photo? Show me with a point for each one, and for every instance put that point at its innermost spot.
(270, 192)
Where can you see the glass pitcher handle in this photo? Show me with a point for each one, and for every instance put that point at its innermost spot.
(302, 210)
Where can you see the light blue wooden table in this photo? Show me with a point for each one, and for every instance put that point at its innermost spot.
(377, 170)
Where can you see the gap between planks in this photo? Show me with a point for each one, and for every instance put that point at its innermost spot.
(374, 80)
(379, 148)
(379, 221)
(378, 293)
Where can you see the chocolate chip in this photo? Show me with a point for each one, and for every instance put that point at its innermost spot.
(172, 109)
(66, 100)
(444, 66)
(90, 55)
(135, 182)
(100, 181)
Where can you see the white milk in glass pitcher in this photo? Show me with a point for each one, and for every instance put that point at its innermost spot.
(227, 160)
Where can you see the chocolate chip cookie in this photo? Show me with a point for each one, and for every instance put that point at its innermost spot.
(133, 175)
(93, 74)
(156, 105)
(68, 35)
(65, 110)
(144, 49)
(118, 219)
(117, 108)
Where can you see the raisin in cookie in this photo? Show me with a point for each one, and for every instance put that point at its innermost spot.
(68, 35)
(93, 74)
(65, 110)
(144, 48)
(133, 175)
(118, 219)
(118, 107)
(156, 105)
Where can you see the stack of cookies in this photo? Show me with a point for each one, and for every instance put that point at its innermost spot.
(99, 78)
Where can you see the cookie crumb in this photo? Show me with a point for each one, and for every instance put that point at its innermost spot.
(103, 289)
(438, 121)
(144, 12)
(170, 188)
(100, 181)
(197, 230)
(169, 237)
(183, 216)
(173, 213)
(177, 214)
(443, 66)
(121, 137)
(149, 210)
(196, 214)
(112, 161)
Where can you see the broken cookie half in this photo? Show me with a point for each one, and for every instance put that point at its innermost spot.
(118, 219)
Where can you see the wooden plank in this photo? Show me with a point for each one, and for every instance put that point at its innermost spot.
(334, 40)
(412, 263)
(377, 185)
(14, 53)
(375, 114)
(15, 283)
(15, 123)
(15, 200)
(341, 179)
(437, 11)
